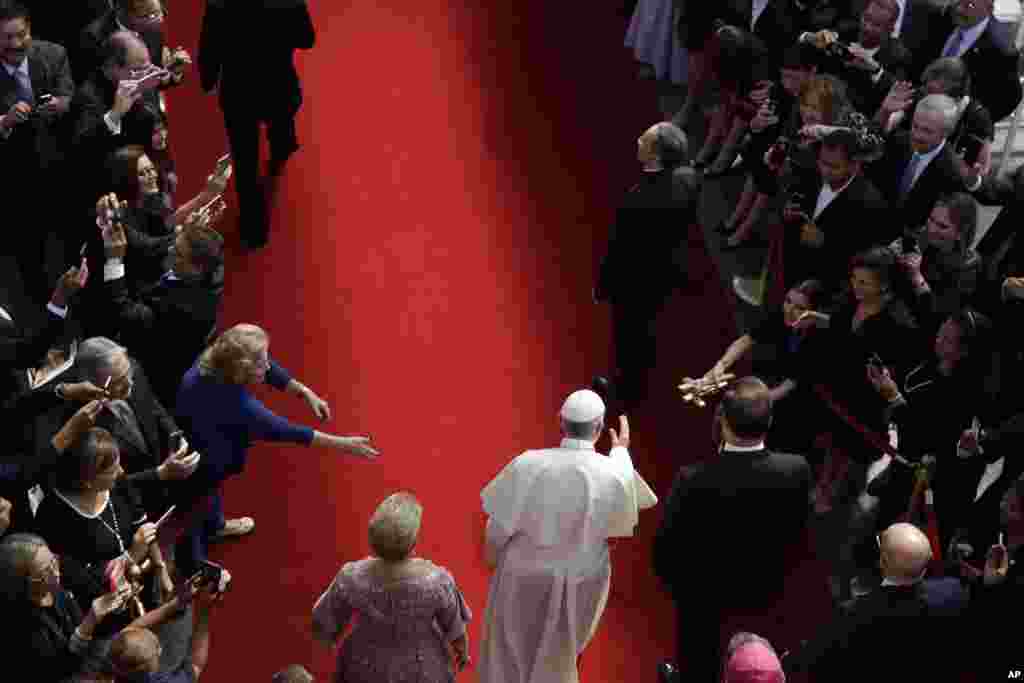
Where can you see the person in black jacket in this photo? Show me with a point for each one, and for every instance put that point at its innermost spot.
(183, 304)
(654, 238)
(47, 635)
(256, 86)
(887, 627)
(747, 503)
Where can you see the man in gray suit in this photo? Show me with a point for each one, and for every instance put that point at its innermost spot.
(35, 94)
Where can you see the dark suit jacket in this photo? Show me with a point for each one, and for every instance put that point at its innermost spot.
(89, 55)
(36, 144)
(137, 458)
(21, 348)
(92, 140)
(992, 62)
(650, 228)
(887, 632)
(854, 221)
(955, 491)
(938, 178)
(741, 512)
(865, 94)
(183, 310)
(245, 75)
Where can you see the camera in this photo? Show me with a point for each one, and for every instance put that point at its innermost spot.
(839, 51)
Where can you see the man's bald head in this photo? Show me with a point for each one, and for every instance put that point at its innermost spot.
(906, 552)
(135, 650)
(123, 54)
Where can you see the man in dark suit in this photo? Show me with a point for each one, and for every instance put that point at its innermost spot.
(876, 58)
(742, 514)
(256, 86)
(655, 239)
(144, 18)
(138, 422)
(833, 214)
(967, 29)
(182, 306)
(35, 95)
(920, 167)
(886, 627)
(108, 112)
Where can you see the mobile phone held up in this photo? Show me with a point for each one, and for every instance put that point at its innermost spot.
(210, 576)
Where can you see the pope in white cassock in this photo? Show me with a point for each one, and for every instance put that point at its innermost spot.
(550, 515)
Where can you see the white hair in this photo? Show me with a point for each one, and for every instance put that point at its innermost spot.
(944, 106)
(95, 358)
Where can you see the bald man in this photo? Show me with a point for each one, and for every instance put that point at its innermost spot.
(658, 241)
(892, 629)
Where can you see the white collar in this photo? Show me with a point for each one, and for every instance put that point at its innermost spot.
(5, 315)
(577, 444)
(733, 448)
(825, 186)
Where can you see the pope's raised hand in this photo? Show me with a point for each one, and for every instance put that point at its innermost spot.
(620, 438)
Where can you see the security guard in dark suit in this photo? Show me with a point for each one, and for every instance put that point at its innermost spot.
(246, 47)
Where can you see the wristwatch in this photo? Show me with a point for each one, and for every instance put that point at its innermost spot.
(58, 389)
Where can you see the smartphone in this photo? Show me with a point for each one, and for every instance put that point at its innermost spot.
(209, 574)
(175, 440)
(970, 147)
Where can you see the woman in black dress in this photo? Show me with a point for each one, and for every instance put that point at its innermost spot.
(98, 525)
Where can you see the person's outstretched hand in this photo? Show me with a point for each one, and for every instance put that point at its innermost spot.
(319, 406)
(620, 438)
(360, 445)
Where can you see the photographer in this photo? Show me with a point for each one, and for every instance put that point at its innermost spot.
(48, 638)
(138, 655)
(35, 95)
(943, 267)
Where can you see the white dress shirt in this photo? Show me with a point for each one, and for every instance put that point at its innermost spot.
(992, 472)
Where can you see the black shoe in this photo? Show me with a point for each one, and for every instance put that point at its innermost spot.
(668, 673)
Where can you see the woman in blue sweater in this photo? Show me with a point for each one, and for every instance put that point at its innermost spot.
(222, 418)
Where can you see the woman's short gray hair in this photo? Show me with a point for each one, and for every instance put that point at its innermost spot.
(395, 526)
(944, 106)
(95, 358)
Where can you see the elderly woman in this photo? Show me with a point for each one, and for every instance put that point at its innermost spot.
(411, 617)
(46, 633)
(97, 523)
(222, 419)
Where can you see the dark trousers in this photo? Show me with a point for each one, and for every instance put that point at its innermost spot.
(193, 546)
(243, 129)
(633, 322)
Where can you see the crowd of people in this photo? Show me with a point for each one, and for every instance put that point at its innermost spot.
(884, 339)
(110, 481)
(882, 414)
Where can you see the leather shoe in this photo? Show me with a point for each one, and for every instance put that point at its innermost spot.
(668, 673)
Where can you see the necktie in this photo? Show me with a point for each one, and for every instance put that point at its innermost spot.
(953, 44)
(123, 412)
(907, 181)
(23, 87)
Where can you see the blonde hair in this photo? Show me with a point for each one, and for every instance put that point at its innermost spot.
(825, 93)
(229, 357)
(394, 526)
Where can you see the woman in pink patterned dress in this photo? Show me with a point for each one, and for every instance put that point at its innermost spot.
(410, 617)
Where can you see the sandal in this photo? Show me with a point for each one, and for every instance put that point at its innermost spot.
(233, 528)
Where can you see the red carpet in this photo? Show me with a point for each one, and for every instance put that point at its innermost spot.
(429, 274)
